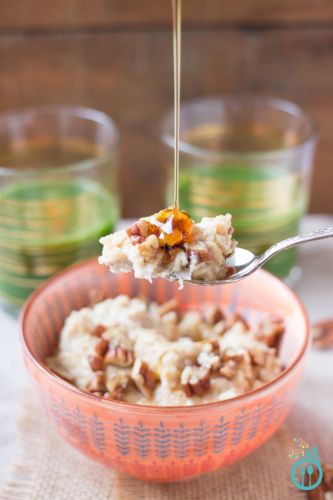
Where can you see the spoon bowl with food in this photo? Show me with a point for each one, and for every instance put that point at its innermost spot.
(170, 245)
(243, 262)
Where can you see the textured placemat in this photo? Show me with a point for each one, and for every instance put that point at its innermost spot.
(49, 469)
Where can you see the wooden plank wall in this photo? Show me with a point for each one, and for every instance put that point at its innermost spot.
(115, 55)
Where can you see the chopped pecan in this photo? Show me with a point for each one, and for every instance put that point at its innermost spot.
(209, 357)
(203, 255)
(169, 325)
(149, 376)
(96, 362)
(231, 354)
(191, 325)
(230, 270)
(195, 380)
(270, 331)
(138, 231)
(228, 370)
(323, 335)
(116, 383)
(209, 360)
(149, 247)
(167, 307)
(213, 314)
(220, 328)
(119, 356)
(234, 318)
(98, 330)
(170, 318)
(117, 394)
(258, 356)
(211, 345)
(97, 383)
(144, 378)
(101, 347)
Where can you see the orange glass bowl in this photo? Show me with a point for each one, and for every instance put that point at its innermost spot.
(162, 443)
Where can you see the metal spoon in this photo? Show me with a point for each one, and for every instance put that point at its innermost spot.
(243, 262)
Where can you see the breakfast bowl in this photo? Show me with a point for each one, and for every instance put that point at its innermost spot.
(162, 443)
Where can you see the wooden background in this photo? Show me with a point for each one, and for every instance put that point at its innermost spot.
(115, 55)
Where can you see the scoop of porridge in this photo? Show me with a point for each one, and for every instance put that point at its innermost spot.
(138, 351)
(170, 245)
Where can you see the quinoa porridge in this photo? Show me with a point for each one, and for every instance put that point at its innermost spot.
(170, 245)
(138, 351)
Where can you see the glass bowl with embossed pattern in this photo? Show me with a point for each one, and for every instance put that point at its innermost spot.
(152, 442)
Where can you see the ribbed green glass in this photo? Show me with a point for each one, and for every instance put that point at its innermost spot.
(45, 226)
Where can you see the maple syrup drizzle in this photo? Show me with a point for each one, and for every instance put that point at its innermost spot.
(172, 226)
(175, 227)
(176, 18)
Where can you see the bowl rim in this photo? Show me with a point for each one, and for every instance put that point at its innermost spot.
(90, 398)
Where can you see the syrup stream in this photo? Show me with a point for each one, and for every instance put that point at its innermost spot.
(176, 17)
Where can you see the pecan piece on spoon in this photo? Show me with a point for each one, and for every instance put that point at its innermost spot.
(138, 231)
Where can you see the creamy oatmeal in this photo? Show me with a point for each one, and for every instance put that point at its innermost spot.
(141, 352)
(170, 245)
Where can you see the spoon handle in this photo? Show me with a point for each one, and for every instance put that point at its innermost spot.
(283, 245)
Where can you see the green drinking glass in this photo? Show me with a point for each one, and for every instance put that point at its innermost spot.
(57, 193)
(251, 157)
